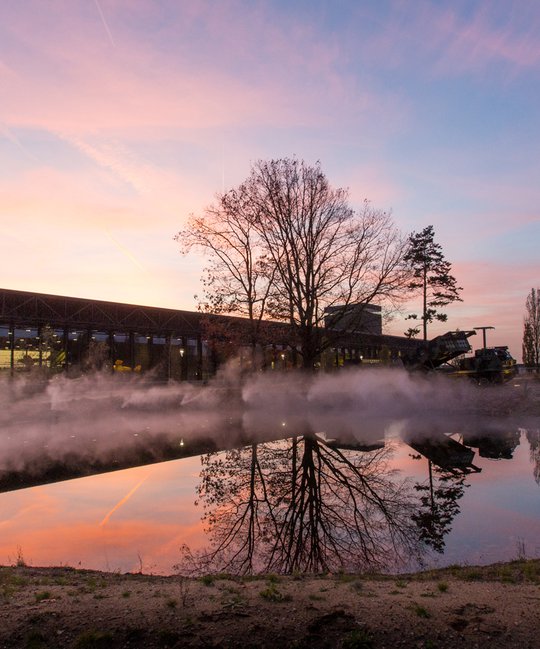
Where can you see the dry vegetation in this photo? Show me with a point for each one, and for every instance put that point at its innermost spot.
(495, 606)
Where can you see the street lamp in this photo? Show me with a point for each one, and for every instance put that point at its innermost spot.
(483, 330)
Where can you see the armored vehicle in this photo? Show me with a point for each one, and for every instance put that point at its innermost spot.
(446, 354)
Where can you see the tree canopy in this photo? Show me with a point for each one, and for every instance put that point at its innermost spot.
(286, 245)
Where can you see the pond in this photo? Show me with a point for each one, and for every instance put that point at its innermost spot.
(357, 471)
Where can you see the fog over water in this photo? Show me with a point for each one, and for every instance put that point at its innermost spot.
(97, 415)
(346, 428)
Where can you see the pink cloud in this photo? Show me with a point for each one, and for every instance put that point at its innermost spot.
(476, 44)
(453, 43)
(373, 181)
(188, 72)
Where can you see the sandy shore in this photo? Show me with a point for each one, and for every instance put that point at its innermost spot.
(494, 606)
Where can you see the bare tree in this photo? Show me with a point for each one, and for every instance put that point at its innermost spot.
(340, 509)
(237, 279)
(238, 509)
(531, 330)
(286, 245)
(302, 505)
(325, 254)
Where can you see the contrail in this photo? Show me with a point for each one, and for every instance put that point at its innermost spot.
(122, 502)
(8, 134)
(124, 250)
(105, 23)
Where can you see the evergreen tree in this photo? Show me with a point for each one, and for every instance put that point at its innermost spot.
(430, 276)
(531, 330)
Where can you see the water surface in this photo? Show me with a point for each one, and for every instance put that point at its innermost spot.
(278, 479)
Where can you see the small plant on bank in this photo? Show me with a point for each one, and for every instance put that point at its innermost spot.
(442, 586)
(358, 586)
(184, 587)
(40, 597)
(421, 611)
(272, 594)
(345, 577)
(358, 639)
(473, 574)
(316, 598)
(20, 561)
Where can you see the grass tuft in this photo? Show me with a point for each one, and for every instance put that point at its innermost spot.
(272, 594)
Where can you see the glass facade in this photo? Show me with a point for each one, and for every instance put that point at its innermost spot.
(77, 349)
(26, 352)
(159, 356)
(23, 348)
(178, 359)
(5, 349)
(53, 354)
(56, 334)
(121, 352)
(141, 352)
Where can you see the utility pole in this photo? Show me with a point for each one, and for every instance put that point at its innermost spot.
(483, 330)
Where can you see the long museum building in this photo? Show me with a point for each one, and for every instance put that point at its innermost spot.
(52, 333)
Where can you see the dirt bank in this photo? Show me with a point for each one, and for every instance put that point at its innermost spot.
(495, 606)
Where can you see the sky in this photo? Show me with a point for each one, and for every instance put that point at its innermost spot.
(120, 118)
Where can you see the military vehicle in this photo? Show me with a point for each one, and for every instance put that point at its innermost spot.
(488, 365)
(446, 354)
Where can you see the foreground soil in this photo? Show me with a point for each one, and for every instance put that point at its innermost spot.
(494, 606)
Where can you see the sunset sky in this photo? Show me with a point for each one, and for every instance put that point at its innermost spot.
(118, 118)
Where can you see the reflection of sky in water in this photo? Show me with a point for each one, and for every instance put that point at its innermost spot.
(500, 512)
(119, 520)
(143, 515)
(76, 523)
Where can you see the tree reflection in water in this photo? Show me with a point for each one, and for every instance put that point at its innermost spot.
(449, 462)
(533, 437)
(304, 505)
(438, 505)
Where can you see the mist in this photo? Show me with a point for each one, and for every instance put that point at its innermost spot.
(106, 420)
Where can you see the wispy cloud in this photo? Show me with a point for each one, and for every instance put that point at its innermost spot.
(456, 38)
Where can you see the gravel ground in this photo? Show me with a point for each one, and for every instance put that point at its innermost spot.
(494, 606)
